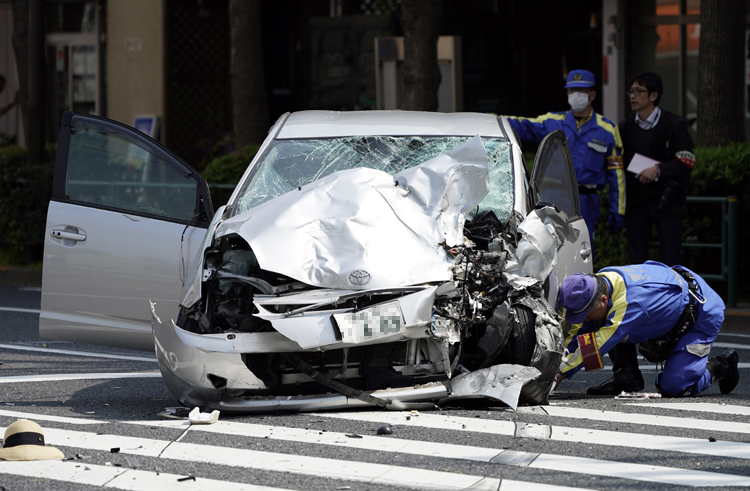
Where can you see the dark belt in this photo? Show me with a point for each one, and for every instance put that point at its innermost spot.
(586, 190)
(689, 313)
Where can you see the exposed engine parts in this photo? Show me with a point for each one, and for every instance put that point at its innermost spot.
(481, 319)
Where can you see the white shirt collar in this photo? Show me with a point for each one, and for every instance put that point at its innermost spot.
(651, 120)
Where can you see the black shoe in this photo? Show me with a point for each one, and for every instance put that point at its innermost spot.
(732, 377)
(623, 381)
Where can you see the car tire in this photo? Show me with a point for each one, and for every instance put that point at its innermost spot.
(522, 339)
(521, 346)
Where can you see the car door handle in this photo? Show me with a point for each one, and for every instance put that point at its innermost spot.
(585, 251)
(62, 234)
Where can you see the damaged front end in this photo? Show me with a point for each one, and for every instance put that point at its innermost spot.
(303, 314)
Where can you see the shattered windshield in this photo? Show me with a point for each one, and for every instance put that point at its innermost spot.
(289, 164)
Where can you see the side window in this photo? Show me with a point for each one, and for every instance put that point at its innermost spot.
(107, 169)
(557, 184)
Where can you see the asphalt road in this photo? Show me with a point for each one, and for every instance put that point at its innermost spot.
(90, 400)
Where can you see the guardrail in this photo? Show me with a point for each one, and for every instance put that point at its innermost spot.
(728, 244)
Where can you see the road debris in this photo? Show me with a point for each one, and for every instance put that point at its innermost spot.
(196, 417)
(175, 413)
(638, 395)
(187, 478)
(385, 430)
(132, 463)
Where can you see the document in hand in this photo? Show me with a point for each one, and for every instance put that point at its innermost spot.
(639, 163)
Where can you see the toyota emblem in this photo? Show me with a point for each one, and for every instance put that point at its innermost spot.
(360, 277)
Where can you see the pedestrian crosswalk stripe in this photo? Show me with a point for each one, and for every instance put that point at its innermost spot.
(705, 407)
(77, 376)
(734, 334)
(731, 345)
(119, 477)
(597, 467)
(381, 474)
(638, 418)
(558, 433)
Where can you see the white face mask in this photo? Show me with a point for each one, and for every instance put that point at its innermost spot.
(578, 101)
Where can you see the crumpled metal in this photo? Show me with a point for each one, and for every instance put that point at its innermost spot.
(543, 233)
(500, 382)
(365, 223)
(548, 351)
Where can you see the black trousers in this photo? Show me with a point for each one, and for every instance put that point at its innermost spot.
(639, 221)
(624, 358)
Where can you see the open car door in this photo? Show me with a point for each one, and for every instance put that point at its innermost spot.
(125, 219)
(553, 180)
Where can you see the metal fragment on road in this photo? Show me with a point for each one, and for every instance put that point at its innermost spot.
(513, 457)
(500, 382)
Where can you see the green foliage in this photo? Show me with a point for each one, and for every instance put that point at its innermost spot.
(25, 191)
(723, 171)
(228, 170)
(528, 158)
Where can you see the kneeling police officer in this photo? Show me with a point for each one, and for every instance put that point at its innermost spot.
(671, 312)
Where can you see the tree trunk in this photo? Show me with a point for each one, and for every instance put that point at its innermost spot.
(21, 51)
(249, 99)
(420, 21)
(721, 73)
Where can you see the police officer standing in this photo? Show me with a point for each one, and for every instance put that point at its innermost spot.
(594, 143)
(671, 312)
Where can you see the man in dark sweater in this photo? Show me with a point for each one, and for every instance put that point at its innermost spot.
(655, 195)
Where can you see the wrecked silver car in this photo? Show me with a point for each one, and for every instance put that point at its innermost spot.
(390, 259)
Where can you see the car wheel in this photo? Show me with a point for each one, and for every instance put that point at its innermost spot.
(521, 348)
(522, 339)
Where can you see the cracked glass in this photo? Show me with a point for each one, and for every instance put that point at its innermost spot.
(289, 164)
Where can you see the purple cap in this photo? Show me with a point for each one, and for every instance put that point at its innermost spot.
(577, 294)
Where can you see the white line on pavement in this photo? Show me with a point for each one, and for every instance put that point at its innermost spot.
(731, 345)
(77, 353)
(638, 418)
(734, 334)
(119, 477)
(640, 472)
(557, 433)
(47, 417)
(705, 407)
(386, 475)
(77, 376)
(16, 309)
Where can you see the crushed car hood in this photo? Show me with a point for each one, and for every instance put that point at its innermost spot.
(363, 228)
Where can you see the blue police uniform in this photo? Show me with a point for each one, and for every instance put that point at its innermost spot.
(645, 303)
(596, 149)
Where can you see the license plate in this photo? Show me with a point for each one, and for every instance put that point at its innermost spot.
(372, 323)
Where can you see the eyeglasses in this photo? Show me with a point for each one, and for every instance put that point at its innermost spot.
(635, 92)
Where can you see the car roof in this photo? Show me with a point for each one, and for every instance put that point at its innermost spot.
(327, 124)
